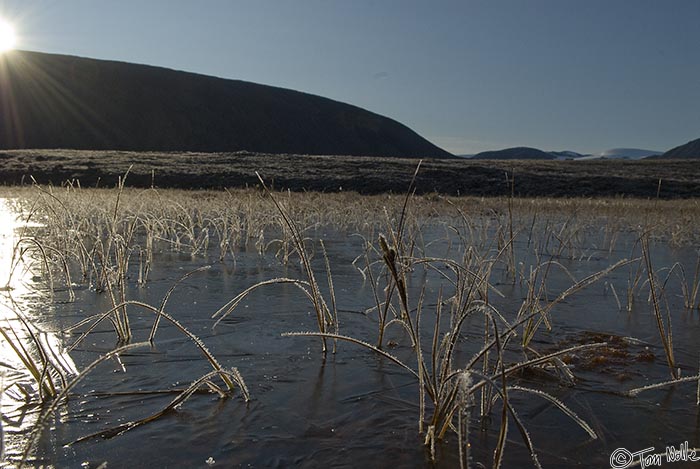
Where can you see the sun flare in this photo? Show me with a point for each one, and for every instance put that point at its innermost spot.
(7, 36)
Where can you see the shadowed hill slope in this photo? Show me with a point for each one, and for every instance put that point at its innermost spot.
(517, 153)
(689, 150)
(58, 101)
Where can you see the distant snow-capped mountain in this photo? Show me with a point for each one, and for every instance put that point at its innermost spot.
(566, 155)
(624, 154)
(534, 153)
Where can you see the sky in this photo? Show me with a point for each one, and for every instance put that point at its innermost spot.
(467, 75)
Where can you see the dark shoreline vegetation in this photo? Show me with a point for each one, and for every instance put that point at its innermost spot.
(365, 175)
(464, 307)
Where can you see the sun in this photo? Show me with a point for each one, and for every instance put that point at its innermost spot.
(7, 36)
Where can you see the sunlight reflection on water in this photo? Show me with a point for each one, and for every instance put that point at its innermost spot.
(22, 275)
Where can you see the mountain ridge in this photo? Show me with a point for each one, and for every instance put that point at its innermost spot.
(514, 153)
(528, 153)
(62, 101)
(688, 150)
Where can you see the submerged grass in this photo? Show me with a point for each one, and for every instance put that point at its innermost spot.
(451, 389)
(111, 251)
(108, 238)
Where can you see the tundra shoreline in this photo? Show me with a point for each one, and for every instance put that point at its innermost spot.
(365, 175)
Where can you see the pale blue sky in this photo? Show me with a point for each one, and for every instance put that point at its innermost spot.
(468, 75)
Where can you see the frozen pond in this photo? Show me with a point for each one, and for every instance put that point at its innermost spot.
(354, 407)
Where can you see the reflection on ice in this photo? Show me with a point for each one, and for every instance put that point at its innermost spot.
(309, 408)
(31, 360)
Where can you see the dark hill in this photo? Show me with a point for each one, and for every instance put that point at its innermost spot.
(58, 101)
(517, 153)
(689, 150)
